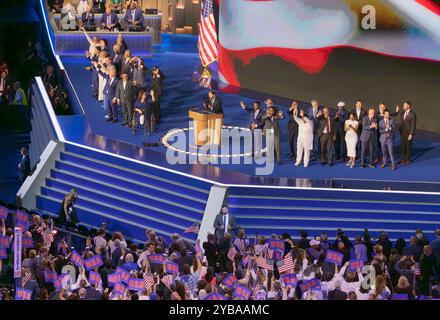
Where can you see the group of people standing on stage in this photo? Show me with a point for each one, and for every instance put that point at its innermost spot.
(318, 133)
(119, 80)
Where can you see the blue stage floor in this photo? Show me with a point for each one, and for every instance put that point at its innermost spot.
(182, 94)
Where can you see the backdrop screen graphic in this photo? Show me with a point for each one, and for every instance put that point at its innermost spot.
(333, 50)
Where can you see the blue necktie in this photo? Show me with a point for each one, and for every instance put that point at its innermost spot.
(224, 221)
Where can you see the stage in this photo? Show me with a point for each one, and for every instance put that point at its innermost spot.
(181, 94)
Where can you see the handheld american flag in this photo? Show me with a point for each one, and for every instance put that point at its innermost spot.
(232, 253)
(194, 228)
(262, 263)
(207, 42)
(148, 281)
(287, 264)
(168, 280)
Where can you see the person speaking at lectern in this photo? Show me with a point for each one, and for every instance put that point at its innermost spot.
(213, 104)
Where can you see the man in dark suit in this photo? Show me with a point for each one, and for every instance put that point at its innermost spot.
(126, 66)
(340, 144)
(337, 293)
(327, 135)
(5, 86)
(109, 20)
(407, 130)
(99, 6)
(133, 16)
(256, 115)
(125, 94)
(213, 104)
(313, 113)
(272, 125)
(360, 114)
(88, 19)
(117, 58)
(429, 270)
(292, 129)
(156, 84)
(24, 167)
(386, 130)
(224, 223)
(368, 137)
(49, 78)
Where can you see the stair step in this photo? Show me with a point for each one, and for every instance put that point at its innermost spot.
(333, 213)
(69, 181)
(91, 217)
(144, 169)
(372, 204)
(99, 170)
(130, 213)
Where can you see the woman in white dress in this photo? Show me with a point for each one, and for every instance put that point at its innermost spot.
(305, 138)
(351, 138)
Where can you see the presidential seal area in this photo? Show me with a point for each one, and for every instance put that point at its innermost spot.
(230, 309)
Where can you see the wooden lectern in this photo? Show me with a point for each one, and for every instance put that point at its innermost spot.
(207, 126)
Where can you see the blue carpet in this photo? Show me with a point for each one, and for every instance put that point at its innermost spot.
(182, 94)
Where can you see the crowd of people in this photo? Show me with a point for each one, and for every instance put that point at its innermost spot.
(69, 9)
(36, 63)
(327, 136)
(228, 265)
(119, 80)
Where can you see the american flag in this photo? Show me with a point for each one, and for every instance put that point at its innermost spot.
(48, 237)
(148, 280)
(262, 263)
(27, 276)
(231, 253)
(194, 228)
(47, 234)
(168, 280)
(287, 263)
(207, 34)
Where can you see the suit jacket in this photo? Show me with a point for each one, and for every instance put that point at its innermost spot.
(218, 222)
(337, 294)
(272, 123)
(113, 19)
(363, 113)
(126, 67)
(128, 95)
(156, 83)
(255, 120)
(367, 132)
(138, 16)
(117, 62)
(340, 121)
(359, 119)
(384, 133)
(322, 123)
(110, 86)
(408, 125)
(311, 117)
(292, 125)
(25, 168)
(214, 106)
(88, 18)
